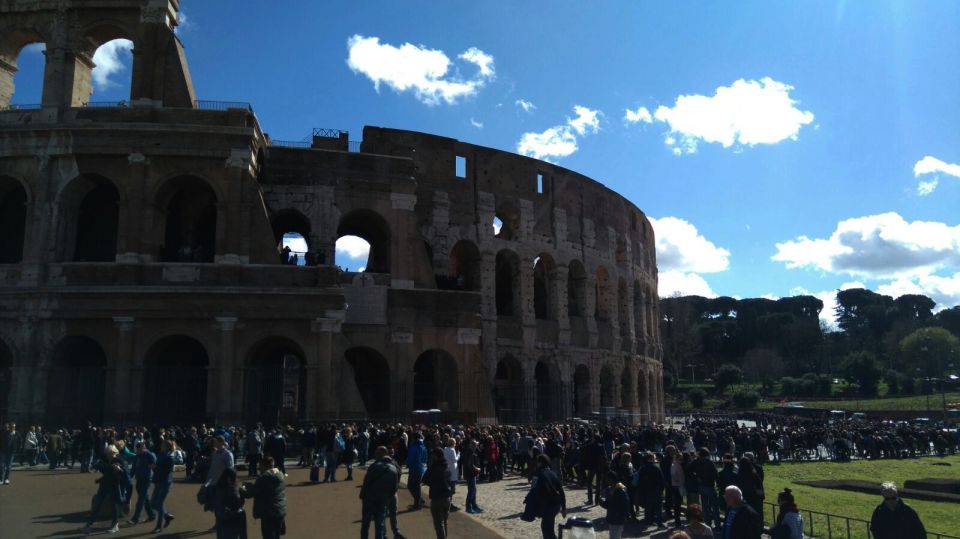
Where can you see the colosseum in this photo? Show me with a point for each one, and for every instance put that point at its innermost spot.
(142, 277)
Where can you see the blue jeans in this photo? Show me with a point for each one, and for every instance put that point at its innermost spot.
(143, 500)
(160, 492)
(377, 512)
(98, 499)
(330, 472)
(711, 506)
(6, 462)
(472, 493)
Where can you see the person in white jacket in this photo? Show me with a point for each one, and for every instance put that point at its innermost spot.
(452, 457)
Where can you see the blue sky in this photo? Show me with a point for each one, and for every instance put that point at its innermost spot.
(818, 142)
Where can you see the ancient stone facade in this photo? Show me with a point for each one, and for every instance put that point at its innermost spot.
(141, 275)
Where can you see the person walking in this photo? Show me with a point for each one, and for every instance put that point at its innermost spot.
(441, 493)
(112, 485)
(143, 467)
(276, 447)
(741, 521)
(220, 461)
(254, 449)
(416, 467)
(470, 463)
(546, 498)
(650, 485)
(31, 446)
(379, 485)
(617, 502)
(162, 481)
(269, 499)
(789, 521)
(452, 457)
(707, 474)
(228, 506)
(894, 519)
(9, 442)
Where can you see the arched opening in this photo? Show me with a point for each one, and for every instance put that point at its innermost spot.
(75, 387)
(89, 212)
(627, 389)
(547, 380)
(22, 66)
(508, 283)
(498, 227)
(276, 386)
(13, 220)
(643, 396)
(639, 330)
(506, 222)
(464, 268)
(581, 392)
(509, 392)
(601, 308)
(190, 209)
(436, 382)
(607, 386)
(366, 227)
(372, 377)
(623, 308)
(113, 67)
(6, 380)
(175, 381)
(576, 289)
(544, 302)
(291, 231)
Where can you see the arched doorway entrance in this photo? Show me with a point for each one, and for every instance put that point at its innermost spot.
(13, 219)
(371, 373)
(75, 387)
(581, 392)
(607, 381)
(508, 296)
(276, 383)
(89, 219)
(175, 381)
(464, 272)
(549, 390)
(291, 231)
(6, 378)
(190, 209)
(436, 382)
(509, 394)
(643, 396)
(373, 229)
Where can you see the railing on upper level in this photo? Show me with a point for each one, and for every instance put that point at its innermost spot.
(107, 104)
(290, 143)
(817, 524)
(17, 106)
(222, 105)
(328, 133)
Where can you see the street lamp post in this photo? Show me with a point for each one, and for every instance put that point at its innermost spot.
(693, 372)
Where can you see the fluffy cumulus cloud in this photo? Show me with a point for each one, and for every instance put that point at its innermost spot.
(425, 72)
(929, 170)
(353, 247)
(641, 115)
(561, 140)
(111, 58)
(527, 106)
(877, 246)
(683, 253)
(746, 113)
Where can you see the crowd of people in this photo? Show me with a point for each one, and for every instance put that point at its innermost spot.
(705, 474)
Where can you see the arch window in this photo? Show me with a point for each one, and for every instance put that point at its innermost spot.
(372, 378)
(75, 386)
(643, 395)
(601, 308)
(581, 391)
(464, 267)
(623, 312)
(291, 231)
(189, 206)
(436, 382)
(626, 389)
(509, 391)
(548, 392)
(22, 66)
(639, 305)
(508, 284)
(363, 242)
(112, 69)
(576, 288)
(607, 388)
(276, 383)
(175, 381)
(544, 303)
(13, 220)
(89, 220)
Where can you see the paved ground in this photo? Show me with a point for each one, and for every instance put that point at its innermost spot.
(43, 504)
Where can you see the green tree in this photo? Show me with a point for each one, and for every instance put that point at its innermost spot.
(929, 350)
(697, 396)
(862, 368)
(727, 375)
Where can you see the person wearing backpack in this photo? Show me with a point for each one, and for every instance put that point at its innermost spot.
(545, 499)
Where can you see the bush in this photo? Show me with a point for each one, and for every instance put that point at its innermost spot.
(862, 368)
(727, 375)
(697, 396)
(746, 399)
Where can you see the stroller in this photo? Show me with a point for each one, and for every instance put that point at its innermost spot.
(577, 528)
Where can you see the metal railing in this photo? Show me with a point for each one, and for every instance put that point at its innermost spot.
(222, 105)
(290, 143)
(817, 524)
(106, 104)
(17, 106)
(328, 133)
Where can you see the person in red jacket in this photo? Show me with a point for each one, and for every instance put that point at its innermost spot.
(491, 455)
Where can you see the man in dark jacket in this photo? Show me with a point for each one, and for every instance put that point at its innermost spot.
(379, 487)
(9, 441)
(742, 521)
(893, 519)
(595, 464)
(707, 473)
(269, 499)
(470, 463)
(547, 497)
(650, 490)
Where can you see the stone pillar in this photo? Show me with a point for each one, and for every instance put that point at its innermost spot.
(527, 313)
(229, 393)
(321, 383)
(121, 408)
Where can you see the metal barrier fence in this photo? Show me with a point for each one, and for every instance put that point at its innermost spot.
(222, 105)
(826, 525)
(328, 133)
(291, 143)
(15, 106)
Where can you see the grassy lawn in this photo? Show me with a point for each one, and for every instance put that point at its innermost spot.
(915, 402)
(936, 516)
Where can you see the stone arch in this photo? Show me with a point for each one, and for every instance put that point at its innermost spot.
(508, 296)
(6, 379)
(544, 296)
(13, 219)
(576, 289)
(371, 374)
(188, 205)
(509, 218)
(436, 381)
(582, 406)
(291, 221)
(627, 388)
(76, 383)
(89, 217)
(509, 390)
(101, 33)
(639, 308)
(608, 381)
(465, 266)
(643, 394)
(175, 381)
(601, 308)
(375, 230)
(276, 382)
(12, 43)
(548, 385)
(623, 308)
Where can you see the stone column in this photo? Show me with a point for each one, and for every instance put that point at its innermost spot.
(229, 393)
(120, 404)
(321, 383)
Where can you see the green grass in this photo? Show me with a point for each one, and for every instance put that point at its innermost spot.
(936, 516)
(916, 402)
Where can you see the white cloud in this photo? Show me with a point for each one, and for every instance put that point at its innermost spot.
(527, 106)
(945, 290)
(931, 165)
(478, 125)
(424, 71)
(881, 246)
(746, 113)
(671, 283)
(110, 58)
(681, 247)
(560, 140)
(295, 242)
(555, 142)
(639, 115)
(586, 120)
(353, 247)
